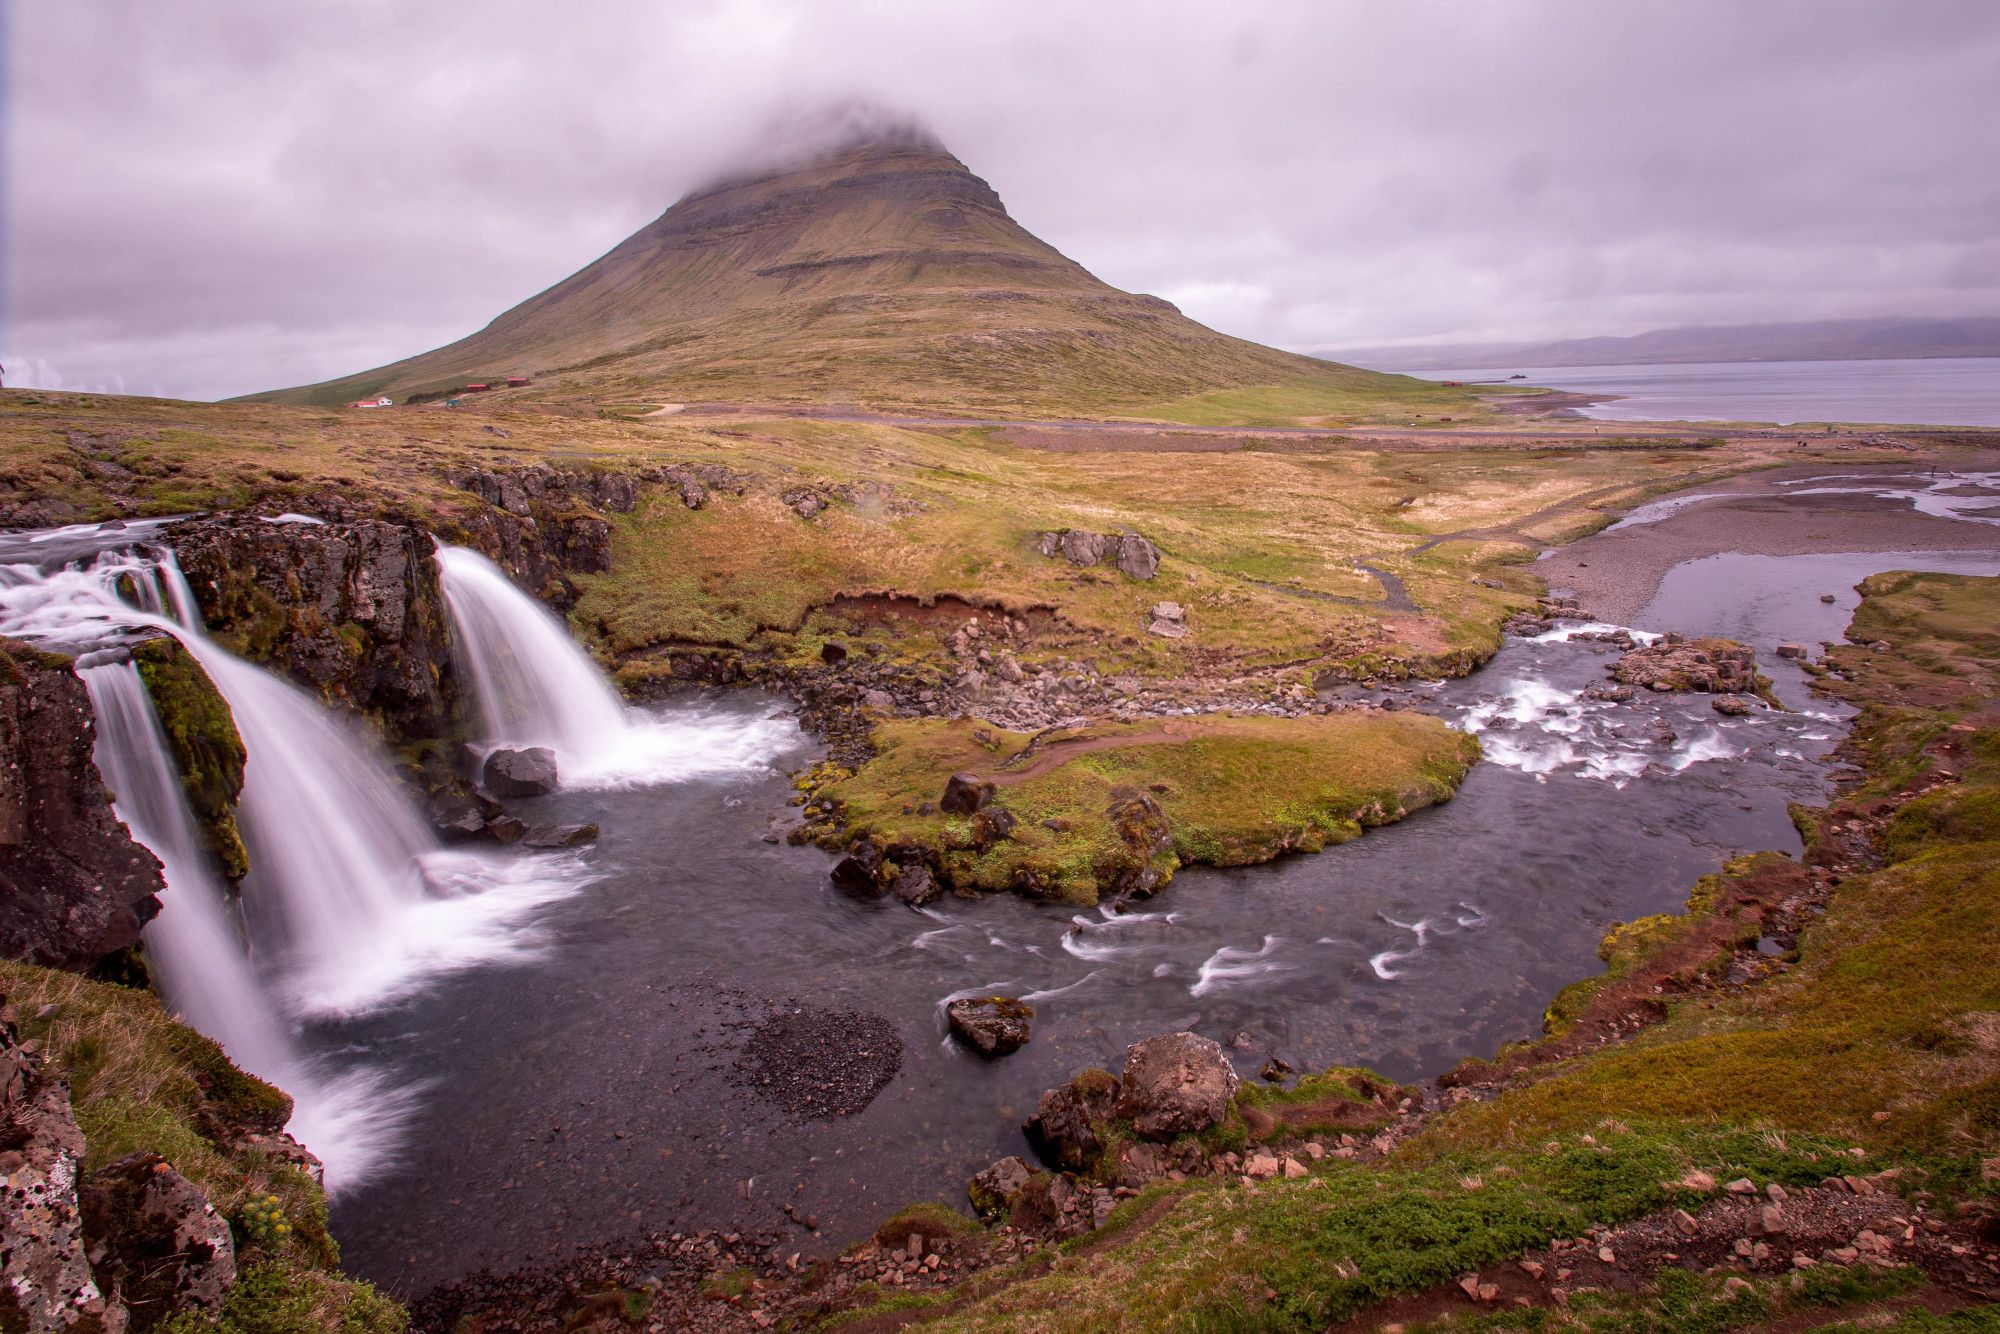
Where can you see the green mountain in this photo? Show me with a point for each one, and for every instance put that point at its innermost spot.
(880, 273)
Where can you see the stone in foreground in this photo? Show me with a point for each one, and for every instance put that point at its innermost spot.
(994, 1190)
(520, 773)
(991, 1025)
(1175, 1085)
(965, 793)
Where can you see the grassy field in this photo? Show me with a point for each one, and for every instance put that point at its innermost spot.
(1259, 546)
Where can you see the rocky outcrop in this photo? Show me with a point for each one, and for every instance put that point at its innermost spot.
(1176, 1084)
(1715, 666)
(1132, 554)
(542, 524)
(74, 886)
(156, 1244)
(46, 1283)
(350, 609)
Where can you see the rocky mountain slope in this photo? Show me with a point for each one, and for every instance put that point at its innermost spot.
(882, 272)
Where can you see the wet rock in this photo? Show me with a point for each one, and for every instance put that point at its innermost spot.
(1732, 706)
(965, 793)
(1066, 1126)
(1826, 597)
(991, 1025)
(350, 609)
(45, 1279)
(1174, 1085)
(530, 772)
(1791, 650)
(74, 886)
(1716, 666)
(157, 1245)
(858, 875)
(506, 830)
(559, 835)
(913, 885)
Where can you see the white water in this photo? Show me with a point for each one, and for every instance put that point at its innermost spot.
(350, 1120)
(352, 903)
(535, 687)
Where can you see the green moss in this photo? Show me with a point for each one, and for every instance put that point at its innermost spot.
(1344, 1098)
(1232, 791)
(925, 1219)
(274, 1297)
(201, 734)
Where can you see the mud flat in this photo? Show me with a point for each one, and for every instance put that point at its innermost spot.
(1812, 510)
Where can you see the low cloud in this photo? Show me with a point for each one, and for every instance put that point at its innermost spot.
(230, 198)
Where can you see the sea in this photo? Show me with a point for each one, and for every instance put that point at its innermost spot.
(1938, 391)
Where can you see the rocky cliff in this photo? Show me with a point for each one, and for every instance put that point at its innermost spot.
(74, 886)
(350, 609)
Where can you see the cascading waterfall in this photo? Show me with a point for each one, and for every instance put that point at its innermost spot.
(536, 687)
(350, 1120)
(351, 902)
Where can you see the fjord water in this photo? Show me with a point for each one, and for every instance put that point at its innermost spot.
(1939, 391)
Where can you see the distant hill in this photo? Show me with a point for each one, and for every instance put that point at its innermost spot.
(1820, 340)
(879, 272)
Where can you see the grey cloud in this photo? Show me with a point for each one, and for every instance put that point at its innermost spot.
(215, 197)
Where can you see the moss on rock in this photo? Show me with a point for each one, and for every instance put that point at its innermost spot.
(1117, 808)
(201, 734)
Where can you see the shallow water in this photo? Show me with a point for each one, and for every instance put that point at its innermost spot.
(579, 1098)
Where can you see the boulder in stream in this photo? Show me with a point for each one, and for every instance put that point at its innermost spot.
(520, 773)
(991, 1025)
(559, 835)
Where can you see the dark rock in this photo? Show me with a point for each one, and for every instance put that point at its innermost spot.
(994, 1190)
(1145, 839)
(832, 654)
(559, 835)
(1826, 597)
(914, 886)
(459, 824)
(1791, 650)
(1733, 706)
(861, 870)
(991, 1025)
(520, 773)
(351, 609)
(157, 1245)
(990, 825)
(1066, 1127)
(506, 829)
(879, 700)
(74, 886)
(965, 793)
(1175, 1085)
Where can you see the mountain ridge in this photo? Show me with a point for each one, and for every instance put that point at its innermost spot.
(881, 272)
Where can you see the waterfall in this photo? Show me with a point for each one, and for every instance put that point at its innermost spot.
(352, 901)
(349, 1120)
(534, 686)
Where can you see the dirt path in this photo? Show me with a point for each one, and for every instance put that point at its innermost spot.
(1058, 753)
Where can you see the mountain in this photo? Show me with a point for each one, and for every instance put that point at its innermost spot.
(1819, 340)
(877, 272)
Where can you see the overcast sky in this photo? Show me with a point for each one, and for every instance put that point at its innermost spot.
(212, 197)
